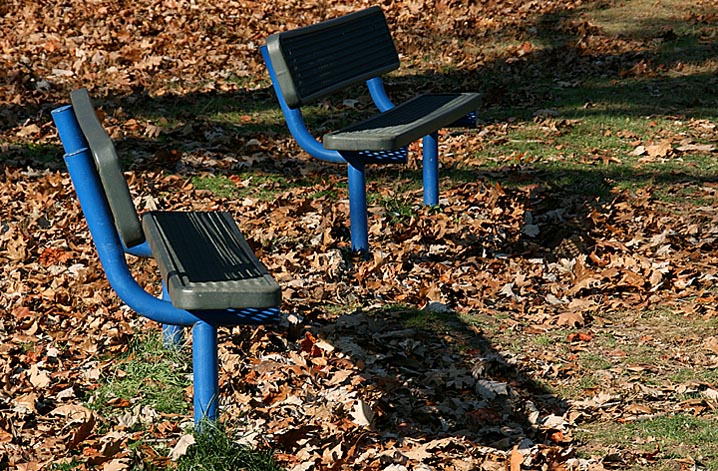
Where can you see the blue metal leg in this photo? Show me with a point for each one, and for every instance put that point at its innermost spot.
(431, 169)
(172, 335)
(357, 206)
(69, 130)
(205, 367)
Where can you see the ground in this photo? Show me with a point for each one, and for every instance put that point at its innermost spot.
(555, 311)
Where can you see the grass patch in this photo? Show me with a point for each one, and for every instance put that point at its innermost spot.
(149, 375)
(396, 207)
(644, 18)
(685, 375)
(421, 319)
(593, 361)
(31, 154)
(216, 450)
(263, 187)
(245, 115)
(656, 443)
(68, 466)
(219, 185)
(591, 156)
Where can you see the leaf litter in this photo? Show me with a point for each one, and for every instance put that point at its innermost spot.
(404, 360)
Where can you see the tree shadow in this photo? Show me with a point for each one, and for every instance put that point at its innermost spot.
(564, 70)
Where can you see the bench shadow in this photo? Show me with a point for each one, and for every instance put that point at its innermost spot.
(392, 377)
(440, 376)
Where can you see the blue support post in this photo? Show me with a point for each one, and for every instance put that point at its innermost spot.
(430, 166)
(69, 130)
(378, 94)
(205, 365)
(172, 335)
(357, 206)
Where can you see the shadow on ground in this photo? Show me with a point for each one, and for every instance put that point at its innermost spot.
(436, 376)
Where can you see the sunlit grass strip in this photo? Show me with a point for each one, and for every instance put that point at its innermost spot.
(148, 375)
(215, 449)
(663, 439)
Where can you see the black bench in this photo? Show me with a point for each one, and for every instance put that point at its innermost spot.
(210, 275)
(309, 63)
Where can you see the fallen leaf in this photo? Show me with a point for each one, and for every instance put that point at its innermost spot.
(39, 378)
(180, 448)
(571, 319)
(515, 459)
(29, 130)
(116, 465)
(362, 414)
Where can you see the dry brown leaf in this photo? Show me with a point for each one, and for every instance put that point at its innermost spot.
(362, 414)
(116, 464)
(571, 319)
(39, 378)
(515, 459)
(181, 447)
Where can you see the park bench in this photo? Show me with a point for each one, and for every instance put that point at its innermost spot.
(309, 63)
(210, 275)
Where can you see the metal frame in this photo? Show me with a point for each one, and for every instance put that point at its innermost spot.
(356, 161)
(111, 251)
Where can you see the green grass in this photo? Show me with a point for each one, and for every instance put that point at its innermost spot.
(215, 449)
(261, 186)
(420, 319)
(147, 375)
(396, 207)
(594, 361)
(219, 185)
(643, 18)
(592, 158)
(544, 340)
(67, 466)
(151, 375)
(329, 193)
(656, 443)
(685, 375)
(33, 154)
(233, 112)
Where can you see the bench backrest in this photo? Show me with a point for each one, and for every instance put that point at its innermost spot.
(316, 60)
(113, 181)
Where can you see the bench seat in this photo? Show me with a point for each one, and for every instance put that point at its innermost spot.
(404, 123)
(206, 262)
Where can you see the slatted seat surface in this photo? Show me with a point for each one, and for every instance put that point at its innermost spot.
(403, 124)
(206, 262)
